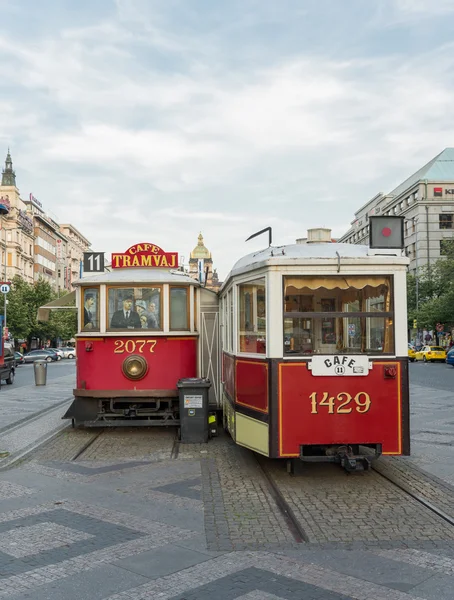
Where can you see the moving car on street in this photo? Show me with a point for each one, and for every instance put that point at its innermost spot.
(7, 370)
(450, 357)
(58, 352)
(19, 358)
(47, 355)
(431, 354)
(68, 352)
(411, 353)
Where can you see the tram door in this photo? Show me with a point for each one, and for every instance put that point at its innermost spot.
(209, 358)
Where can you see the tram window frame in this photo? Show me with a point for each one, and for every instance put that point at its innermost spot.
(85, 292)
(179, 287)
(309, 322)
(252, 328)
(130, 290)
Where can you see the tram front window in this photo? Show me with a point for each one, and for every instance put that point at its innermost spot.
(329, 315)
(134, 308)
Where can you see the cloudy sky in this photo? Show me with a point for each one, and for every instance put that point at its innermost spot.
(153, 120)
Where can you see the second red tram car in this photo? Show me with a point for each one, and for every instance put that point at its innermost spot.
(314, 350)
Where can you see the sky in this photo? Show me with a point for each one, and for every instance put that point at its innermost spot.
(155, 120)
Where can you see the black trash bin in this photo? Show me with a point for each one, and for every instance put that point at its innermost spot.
(193, 396)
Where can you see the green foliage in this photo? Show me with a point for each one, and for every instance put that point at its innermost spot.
(435, 292)
(24, 299)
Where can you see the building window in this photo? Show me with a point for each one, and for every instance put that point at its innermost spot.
(445, 221)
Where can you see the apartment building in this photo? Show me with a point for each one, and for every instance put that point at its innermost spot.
(34, 245)
(426, 201)
(17, 235)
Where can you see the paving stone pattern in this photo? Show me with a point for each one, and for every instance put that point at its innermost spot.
(332, 505)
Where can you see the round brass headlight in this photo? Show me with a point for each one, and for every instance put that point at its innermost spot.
(135, 367)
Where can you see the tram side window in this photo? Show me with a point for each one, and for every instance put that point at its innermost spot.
(179, 309)
(252, 317)
(333, 314)
(90, 319)
(134, 308)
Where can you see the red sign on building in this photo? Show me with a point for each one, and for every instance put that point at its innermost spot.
(438, 191)
(145, 255)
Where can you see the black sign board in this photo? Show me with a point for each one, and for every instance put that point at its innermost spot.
(386, 232)
(93, 262)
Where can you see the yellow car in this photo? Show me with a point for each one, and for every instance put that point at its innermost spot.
(411, 353)
(431, 354)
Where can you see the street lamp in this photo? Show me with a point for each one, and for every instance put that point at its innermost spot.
(5, 207)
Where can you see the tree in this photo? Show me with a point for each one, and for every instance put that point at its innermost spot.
(24, 299)
(435, 292)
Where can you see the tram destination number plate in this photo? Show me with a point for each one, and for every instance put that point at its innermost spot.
(340, 365)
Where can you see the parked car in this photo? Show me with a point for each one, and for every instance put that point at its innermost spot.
(68, 352)
(8, 369)
(450, 357)
(47, 355)
(431, 354)
(58, 352)
(19, 358)
(411, 353)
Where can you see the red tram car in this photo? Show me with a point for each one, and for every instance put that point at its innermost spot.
(311, 337)
(142, 327)
(314, 349)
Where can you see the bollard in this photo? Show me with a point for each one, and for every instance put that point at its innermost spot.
(40, 368)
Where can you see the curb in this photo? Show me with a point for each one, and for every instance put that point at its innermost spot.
(32, 417)
(11, 460)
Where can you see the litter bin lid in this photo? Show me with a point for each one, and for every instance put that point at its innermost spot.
(40, 362)
(194, 382)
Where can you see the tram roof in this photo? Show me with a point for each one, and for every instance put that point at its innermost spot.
(143, 275)
(288, 255)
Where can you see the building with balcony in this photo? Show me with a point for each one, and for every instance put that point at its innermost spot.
(426, 201)
(17, 235)
(76, 245)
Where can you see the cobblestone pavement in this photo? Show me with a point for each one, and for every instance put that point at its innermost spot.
(129, 514)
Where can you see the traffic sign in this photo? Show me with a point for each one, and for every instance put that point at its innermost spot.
(4, 288)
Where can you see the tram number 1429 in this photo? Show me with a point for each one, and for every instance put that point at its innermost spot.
(340, 404)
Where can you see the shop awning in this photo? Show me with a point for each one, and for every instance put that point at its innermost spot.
(68, 301)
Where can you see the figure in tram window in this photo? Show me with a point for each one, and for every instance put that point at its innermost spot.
(126, 318)
(88, 315)
(153, 319)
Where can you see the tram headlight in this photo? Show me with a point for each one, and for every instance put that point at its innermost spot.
(135, 367)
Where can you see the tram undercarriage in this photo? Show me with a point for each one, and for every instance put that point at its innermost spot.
(151, 410)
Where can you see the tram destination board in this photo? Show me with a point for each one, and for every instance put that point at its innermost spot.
(93, 262)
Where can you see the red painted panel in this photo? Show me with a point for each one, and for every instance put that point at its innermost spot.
(229, 375)
(169, 359)
(304, 420)
(252, 384)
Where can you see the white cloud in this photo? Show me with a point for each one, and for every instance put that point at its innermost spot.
(110, 133)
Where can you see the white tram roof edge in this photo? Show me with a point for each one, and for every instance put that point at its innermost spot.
(141, 275)
(287, 255)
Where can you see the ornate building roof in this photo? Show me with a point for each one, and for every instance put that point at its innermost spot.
(200, 251)
(8, 175)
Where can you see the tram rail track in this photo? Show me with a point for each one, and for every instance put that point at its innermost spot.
(291, 521)
(87, 445)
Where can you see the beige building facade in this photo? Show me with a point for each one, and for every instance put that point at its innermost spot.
(17, 235)
(33, 245)
(426, 201)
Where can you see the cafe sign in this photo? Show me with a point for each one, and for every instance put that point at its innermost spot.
(340, 365)
(145, 255)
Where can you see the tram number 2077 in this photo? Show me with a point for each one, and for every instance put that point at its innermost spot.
(340, 404)
(131, 346)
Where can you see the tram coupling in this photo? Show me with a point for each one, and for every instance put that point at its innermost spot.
(347, 456)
